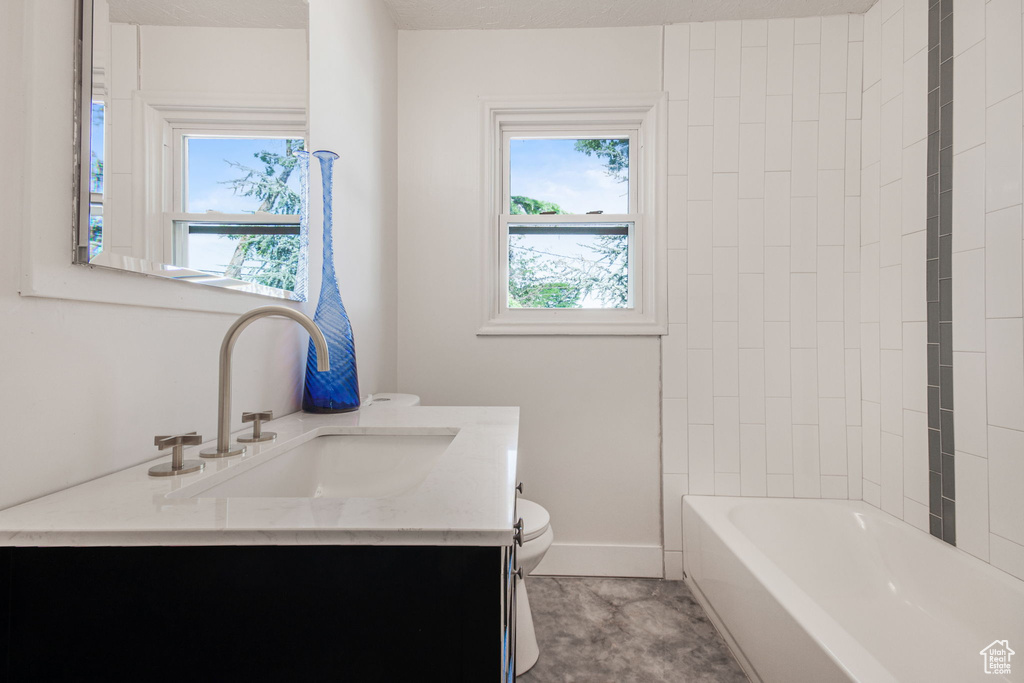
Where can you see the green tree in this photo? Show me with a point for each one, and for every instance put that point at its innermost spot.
(614, 153)
(532, 282)
(526, 205)
(270, 260)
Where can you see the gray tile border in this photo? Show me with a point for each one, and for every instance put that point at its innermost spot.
(933, 365)
(932, 275)
(939, 272)
(945, 341)
(946, 387)
(948, 521)
(948, 477)
(934, 451)
(935, 525)
(946, 256)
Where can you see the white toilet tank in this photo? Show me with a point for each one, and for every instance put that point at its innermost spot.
(393, 400)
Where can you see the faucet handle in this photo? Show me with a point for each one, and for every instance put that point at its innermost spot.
(178, 464)
(257, 420)
(177, 440)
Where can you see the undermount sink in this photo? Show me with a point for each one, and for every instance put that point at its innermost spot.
(339, 466)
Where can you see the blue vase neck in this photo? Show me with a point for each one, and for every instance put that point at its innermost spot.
(327, 159)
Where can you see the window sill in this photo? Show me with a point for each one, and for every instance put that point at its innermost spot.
(507, 328)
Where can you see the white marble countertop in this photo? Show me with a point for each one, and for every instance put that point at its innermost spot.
(467, 498)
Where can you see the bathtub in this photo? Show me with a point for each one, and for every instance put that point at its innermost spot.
(830, 590)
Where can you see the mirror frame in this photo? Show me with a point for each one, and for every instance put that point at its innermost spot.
(82, 113)
(81, 196)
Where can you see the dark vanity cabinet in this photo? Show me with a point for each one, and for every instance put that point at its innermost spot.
(317, 613)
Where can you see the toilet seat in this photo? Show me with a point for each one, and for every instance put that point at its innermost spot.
(536, 519)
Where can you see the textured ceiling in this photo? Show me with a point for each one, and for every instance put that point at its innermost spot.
(238, 13)
(455, 14)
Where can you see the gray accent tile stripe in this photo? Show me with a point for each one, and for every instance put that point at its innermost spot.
(939, 273)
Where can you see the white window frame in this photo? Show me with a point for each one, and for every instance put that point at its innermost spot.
(156, 116)
(640, 117)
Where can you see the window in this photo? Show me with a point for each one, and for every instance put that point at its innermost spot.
(239, 206)
(568, 223)
(574, 230)
(97, 153)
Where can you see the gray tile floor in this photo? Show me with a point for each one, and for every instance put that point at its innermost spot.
(593, 630)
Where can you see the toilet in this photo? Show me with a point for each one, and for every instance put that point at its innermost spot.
(537, 537)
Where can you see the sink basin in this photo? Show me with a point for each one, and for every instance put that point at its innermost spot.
(339, 466)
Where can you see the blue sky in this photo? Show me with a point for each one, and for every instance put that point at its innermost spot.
(96, 142)
(208, 169)
(551, 170)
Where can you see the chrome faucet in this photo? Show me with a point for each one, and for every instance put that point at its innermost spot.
(323, 364)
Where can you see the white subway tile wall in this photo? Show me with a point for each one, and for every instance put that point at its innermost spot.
(988, 327)
(893, 299)
(797, 362)
(764, 273)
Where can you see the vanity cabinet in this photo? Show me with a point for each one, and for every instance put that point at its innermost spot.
(323, 613)
(417, 585)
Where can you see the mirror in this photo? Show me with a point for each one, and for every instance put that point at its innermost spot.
(190, 114)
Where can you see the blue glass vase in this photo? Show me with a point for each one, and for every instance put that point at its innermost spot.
(337, 390)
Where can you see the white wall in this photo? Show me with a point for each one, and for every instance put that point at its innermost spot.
(353, 111)
(760, 373)
(893, 298)
(988, 328)
(589, 421)
(202, 59)
(84, 387)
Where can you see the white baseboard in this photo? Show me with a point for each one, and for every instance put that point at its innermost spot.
(566, 559)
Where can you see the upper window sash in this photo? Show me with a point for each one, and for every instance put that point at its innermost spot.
(570, 132)
(179, 133)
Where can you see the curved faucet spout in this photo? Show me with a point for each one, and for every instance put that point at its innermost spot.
(323, 364)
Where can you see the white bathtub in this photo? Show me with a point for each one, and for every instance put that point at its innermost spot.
(823, 590)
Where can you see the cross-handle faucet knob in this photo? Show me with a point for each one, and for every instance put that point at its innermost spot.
(257, 420)
(178, 464)
(177, 440)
